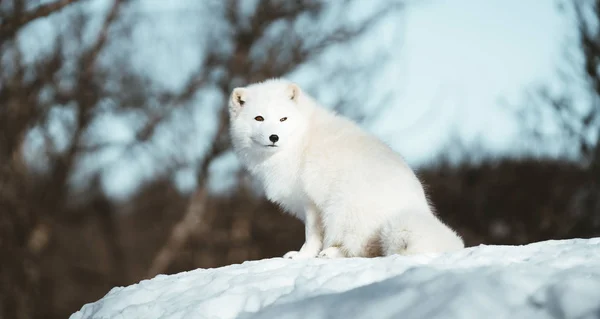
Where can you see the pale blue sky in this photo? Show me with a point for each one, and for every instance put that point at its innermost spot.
(459, 59)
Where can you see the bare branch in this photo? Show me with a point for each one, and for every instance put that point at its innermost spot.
(91, 55)
(9, 28)
(302, 50)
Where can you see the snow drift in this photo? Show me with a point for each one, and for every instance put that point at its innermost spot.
(551, 279)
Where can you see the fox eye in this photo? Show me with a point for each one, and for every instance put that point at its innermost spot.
(259, 118)
(282, 119)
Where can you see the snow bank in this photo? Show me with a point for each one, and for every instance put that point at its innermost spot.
(552, 279)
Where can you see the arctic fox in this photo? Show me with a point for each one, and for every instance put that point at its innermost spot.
(355, 195)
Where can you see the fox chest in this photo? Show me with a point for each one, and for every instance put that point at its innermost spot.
(285, 188)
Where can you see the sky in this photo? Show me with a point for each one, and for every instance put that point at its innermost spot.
(460, 59)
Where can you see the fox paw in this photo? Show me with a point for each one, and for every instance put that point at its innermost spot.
(331, 253)
(298, 255)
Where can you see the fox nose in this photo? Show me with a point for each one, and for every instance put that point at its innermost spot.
(274, 138)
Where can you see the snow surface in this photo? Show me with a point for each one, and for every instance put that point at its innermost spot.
(551, 279)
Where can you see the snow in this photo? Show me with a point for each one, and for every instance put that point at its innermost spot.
(551, 279)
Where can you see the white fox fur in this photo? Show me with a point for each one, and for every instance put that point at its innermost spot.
(355, 195)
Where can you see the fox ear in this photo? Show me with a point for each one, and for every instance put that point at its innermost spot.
(237, 100)
(293, 91)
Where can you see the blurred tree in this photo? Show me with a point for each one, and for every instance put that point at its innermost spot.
(32, 202)
(66, 67)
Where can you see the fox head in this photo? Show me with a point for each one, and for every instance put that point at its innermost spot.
(266, 117)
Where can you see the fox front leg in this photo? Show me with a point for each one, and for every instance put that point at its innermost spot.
(313, 242)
